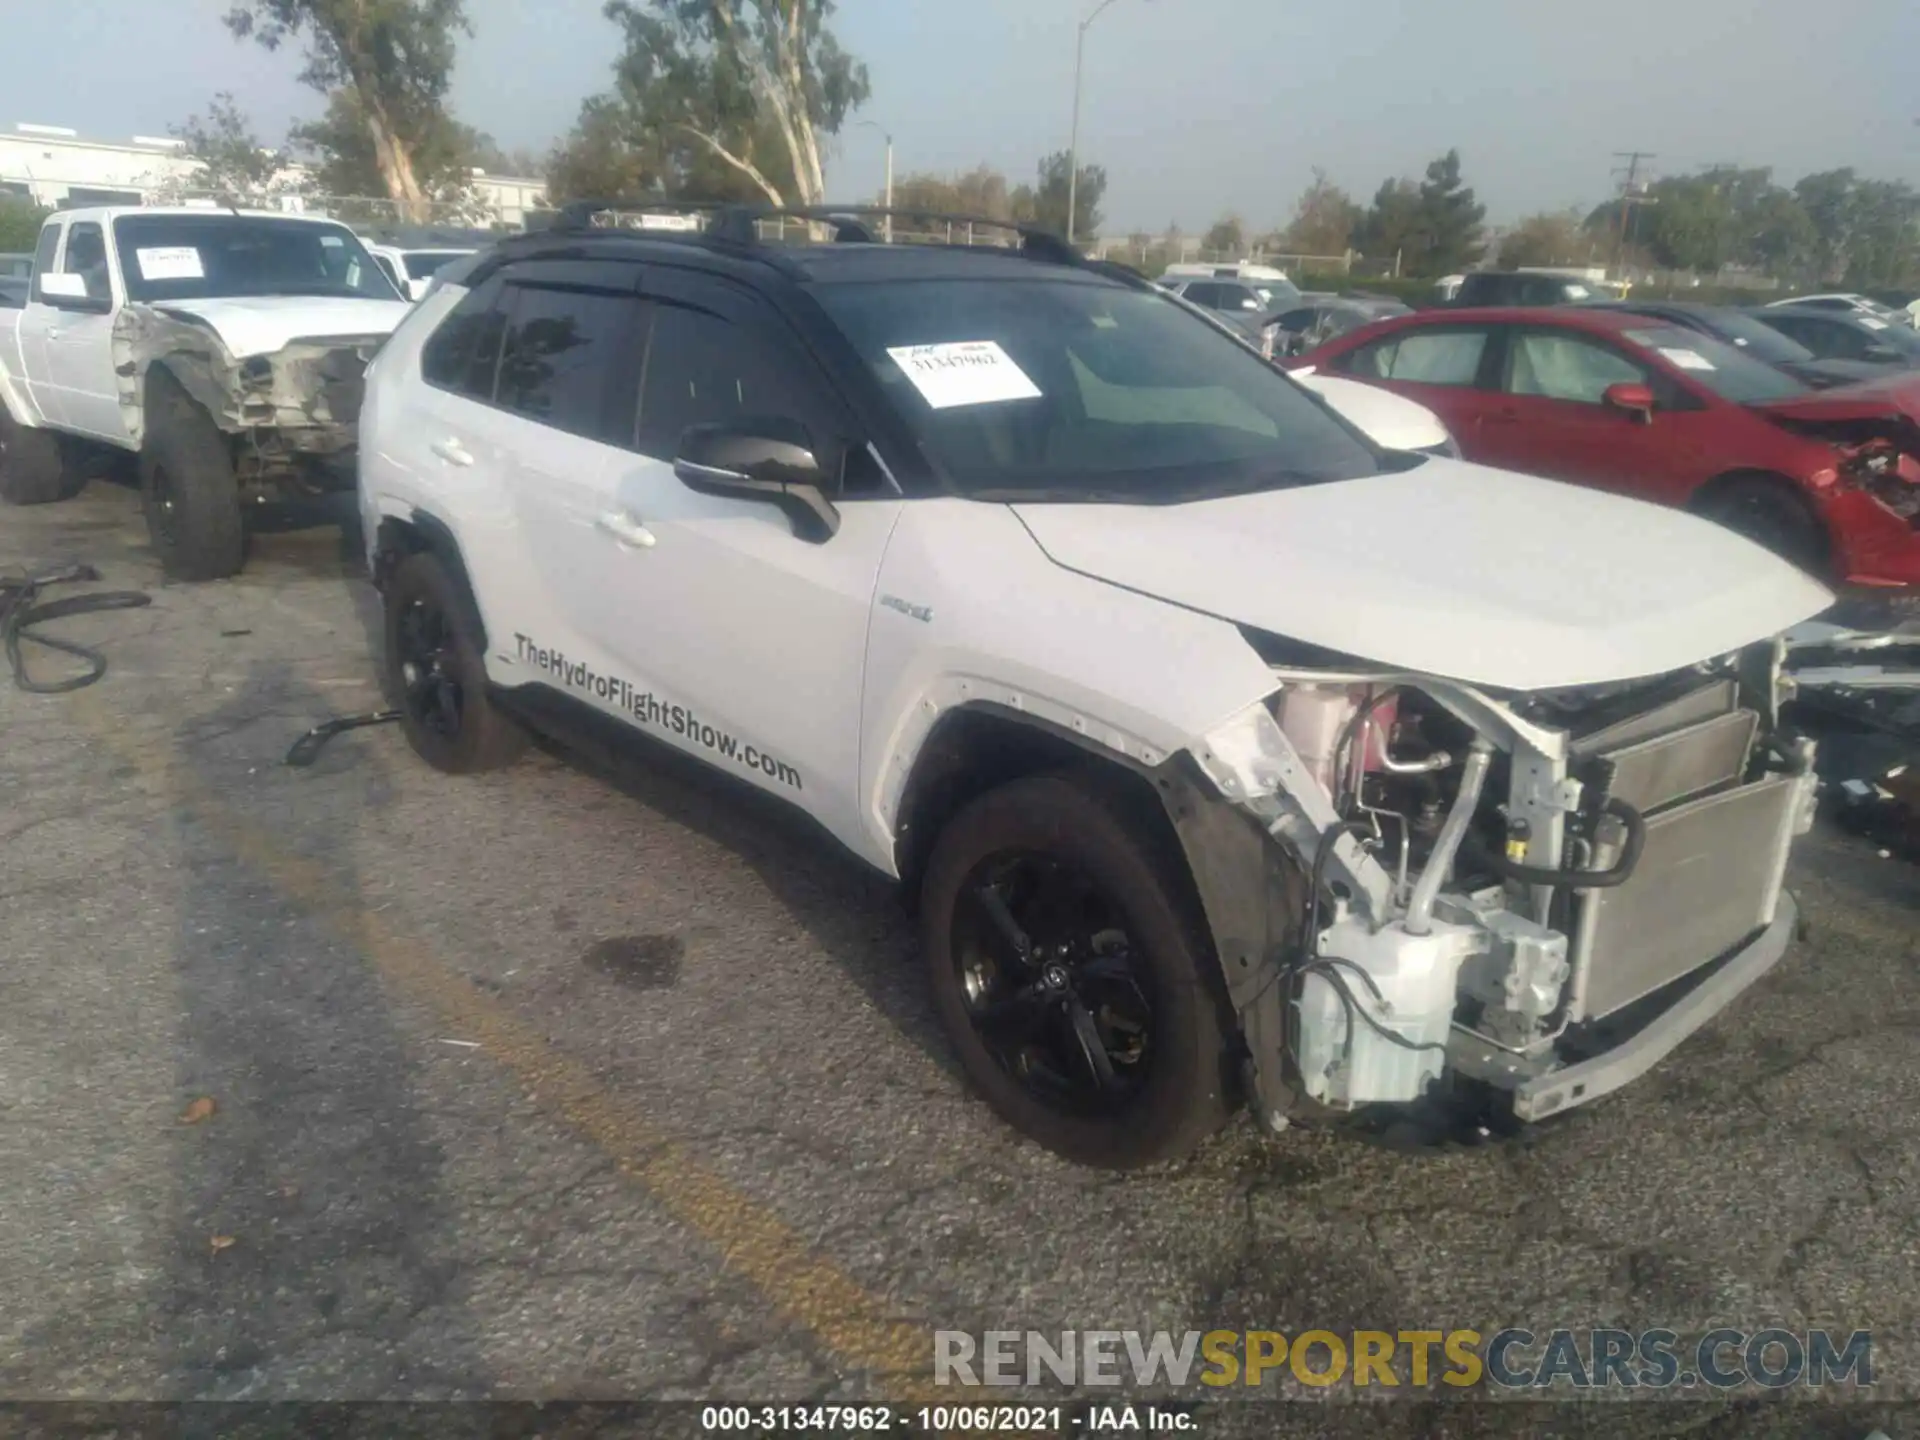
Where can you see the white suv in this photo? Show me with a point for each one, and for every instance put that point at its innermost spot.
(1229, 757)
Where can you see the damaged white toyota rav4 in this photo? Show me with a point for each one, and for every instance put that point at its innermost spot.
(1229, 758)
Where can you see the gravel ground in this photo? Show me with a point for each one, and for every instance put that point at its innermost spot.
(614, 1083)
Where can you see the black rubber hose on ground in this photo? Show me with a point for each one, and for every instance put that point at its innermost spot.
(21, 610)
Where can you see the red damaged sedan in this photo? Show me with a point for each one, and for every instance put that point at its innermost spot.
(1829, 478)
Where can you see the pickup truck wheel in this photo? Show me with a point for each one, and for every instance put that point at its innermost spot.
(435, 673)
(188, 488)
(1068, 979)
(33, 465)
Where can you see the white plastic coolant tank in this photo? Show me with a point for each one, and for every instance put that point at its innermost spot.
(1417, 976)
(1311, 717)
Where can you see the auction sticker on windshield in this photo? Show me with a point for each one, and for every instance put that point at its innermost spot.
(965, 372)
(170, 262)
(1687, 359)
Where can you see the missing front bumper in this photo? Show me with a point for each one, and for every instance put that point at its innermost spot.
(1540, 1093)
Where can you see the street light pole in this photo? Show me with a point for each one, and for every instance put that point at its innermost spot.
(1073, 145)
(886, 221)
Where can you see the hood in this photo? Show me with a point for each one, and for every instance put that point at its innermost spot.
(1889, 397)
(261, 324)
(1393, 422)
(1451, 569)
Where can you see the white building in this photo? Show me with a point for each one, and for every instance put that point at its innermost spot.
(54, 167)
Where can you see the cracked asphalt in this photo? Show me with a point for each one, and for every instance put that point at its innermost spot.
(591, 1081)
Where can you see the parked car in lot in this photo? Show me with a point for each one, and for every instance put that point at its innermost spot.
(1630, 403)
(224, 347)
(1846, 335)
(15, 266)
(1227, 755)
(1847, 303)
(1322, 317)
(412, 270)
(1528, 287)
(1246, 296)
(1752, 337)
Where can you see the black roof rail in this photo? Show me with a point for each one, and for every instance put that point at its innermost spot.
(736, 222)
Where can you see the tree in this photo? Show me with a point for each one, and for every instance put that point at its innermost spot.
(601, 160)
(1447, 229)
(1551, 238)
(981, 191)
(1690, 225)
(384, 63)
(1228, 236)
(233, 164)
(486, 154)
(346, 161)
(1881, 233)
(748, 86)
(1324, 220)
(1045, 203)
(1391, 224)
(1825, 198)
(20, 221)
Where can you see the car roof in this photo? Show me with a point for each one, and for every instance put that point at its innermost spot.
(855, 262)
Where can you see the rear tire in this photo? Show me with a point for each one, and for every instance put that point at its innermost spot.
(436, 676)
(1770, 513)
(33, 465)
(188, 487)
(1143, 986)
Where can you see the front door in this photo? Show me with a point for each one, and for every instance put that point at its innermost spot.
(79, 353)
(752, 639)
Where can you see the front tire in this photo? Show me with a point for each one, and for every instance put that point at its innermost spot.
(437, 677)
(188, 488)
(33, 465)
(1069, 980)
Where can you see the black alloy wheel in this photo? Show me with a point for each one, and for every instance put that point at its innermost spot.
(1053, 986)
(431, 692)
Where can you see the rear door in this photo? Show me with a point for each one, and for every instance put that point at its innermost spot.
(1444, 367)
(1550, 417)
(79, 353)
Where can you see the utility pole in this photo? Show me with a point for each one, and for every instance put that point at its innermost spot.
(1629, 184)
(1073, 145)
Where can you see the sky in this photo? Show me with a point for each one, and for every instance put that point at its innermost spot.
(1196, 108)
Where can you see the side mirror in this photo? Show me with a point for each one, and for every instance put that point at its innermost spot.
(69, 292)
(1636, 400)
(769, 460)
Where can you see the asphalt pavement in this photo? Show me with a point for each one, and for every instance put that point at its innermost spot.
(608, 1082)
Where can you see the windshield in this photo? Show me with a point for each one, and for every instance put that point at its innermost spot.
(1887, 332)
(1052, 389)
(1722, 369)
(421, 264)
(1755, 338)
(219, 254)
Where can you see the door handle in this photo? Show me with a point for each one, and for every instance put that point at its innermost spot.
(624, 528)
(51, 332)
(452, 451)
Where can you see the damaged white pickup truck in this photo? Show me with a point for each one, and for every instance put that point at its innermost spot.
(225, 348)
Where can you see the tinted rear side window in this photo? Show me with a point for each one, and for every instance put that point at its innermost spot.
(464, 352)
(563, 351)
(1426, 357)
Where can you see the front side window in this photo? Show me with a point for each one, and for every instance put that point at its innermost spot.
(703, 369)
(87, 258)
(1559, 366)
(1057, 389)
(562, 351)
(216, 255)
(1422, 357)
